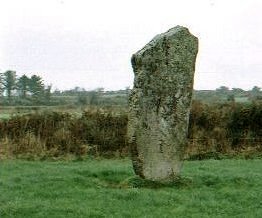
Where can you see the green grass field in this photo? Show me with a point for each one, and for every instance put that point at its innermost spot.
(108, 188)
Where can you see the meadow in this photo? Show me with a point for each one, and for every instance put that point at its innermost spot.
(108, 188)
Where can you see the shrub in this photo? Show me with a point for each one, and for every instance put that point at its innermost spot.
(213, 129)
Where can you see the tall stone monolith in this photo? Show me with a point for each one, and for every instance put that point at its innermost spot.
(160, 102)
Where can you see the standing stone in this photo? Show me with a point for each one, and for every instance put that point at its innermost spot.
(160, 102)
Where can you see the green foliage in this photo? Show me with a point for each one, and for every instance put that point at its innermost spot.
(9, 82)
(94, 97)
(23, 90)
(23, 86)
(47, 94)
(82, 99)
(108, 188)
(1, 84)
(36, 87)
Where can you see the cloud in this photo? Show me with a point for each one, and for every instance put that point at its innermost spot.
(73, 42)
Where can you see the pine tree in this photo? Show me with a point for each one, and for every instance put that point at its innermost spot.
(36, 87)
(9, 83)
(1, 84)
(23, 86)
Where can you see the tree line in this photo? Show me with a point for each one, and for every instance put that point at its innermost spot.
(28, 91)
(25, 88)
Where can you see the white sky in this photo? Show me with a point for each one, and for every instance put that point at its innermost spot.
(89, 43)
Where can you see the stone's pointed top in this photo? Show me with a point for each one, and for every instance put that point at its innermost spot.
(173, 32)
(176, 29)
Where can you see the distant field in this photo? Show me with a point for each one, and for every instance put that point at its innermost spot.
(242, 99)
(4, 116)
(8, 111)
(108, 188)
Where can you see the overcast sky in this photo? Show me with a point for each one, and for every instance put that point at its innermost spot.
(89, 43)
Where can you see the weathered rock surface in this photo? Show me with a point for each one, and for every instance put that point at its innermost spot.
(160, 102)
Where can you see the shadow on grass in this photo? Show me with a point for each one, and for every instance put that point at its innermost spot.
(137, 182)
(125, 179)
